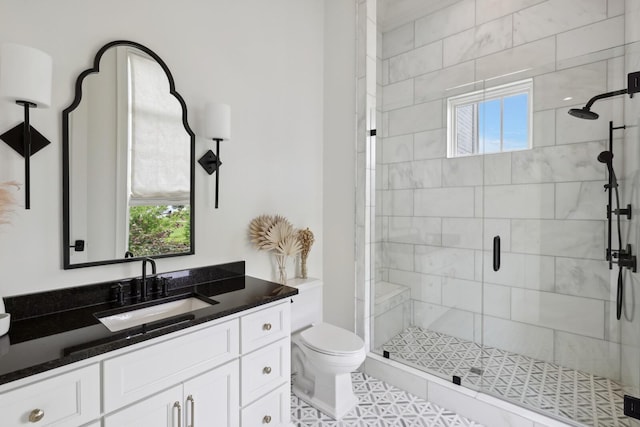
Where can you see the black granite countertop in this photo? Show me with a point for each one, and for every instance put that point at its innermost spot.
(56, 328)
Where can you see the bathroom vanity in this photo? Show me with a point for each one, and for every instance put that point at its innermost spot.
(227, 364)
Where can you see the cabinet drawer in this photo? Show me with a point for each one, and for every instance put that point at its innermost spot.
(143, 372)
(67, 400)
(264, 370)
(272, 410)
(265, 326)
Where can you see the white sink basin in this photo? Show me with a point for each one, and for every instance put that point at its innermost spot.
(129, 319)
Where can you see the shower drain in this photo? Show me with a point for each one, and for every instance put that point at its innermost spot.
(477, 371)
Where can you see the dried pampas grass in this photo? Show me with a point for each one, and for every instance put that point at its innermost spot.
(274, 233)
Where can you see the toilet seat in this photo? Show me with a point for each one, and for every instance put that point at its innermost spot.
(331, 340)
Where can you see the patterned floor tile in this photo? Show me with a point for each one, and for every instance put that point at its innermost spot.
(579, 396)
(380, 405)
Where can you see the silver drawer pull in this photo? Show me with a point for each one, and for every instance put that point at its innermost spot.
(193, 410)
(176, 405)
(266, 370)
(266, 326)
(266, 419)
(36, 415)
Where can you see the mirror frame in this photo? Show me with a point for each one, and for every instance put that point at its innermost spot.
(66, 226)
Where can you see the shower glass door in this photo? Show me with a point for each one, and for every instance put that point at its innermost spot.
(476, 149)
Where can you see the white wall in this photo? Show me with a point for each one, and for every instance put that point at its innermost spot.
(266, 59)
(339, 163)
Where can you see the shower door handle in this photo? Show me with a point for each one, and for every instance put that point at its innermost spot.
(496, 253)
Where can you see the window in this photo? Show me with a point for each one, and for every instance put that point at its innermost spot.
(492, 120)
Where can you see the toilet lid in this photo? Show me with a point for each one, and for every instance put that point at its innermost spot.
(329, 339)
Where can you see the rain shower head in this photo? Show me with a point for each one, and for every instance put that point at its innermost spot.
(586, 113)
(583, 113)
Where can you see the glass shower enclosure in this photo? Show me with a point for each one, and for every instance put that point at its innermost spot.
(502, 229)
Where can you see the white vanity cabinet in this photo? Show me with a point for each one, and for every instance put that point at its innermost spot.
(230, 372)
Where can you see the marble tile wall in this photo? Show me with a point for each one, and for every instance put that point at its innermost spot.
(552, 298)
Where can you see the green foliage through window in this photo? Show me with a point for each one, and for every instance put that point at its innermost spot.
(157, 230)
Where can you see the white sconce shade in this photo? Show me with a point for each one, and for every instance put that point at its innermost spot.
(217, 119)
(25, 74)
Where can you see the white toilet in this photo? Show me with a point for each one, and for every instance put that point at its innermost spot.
(322, 355)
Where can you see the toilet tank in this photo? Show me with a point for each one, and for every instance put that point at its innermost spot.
(306, 307)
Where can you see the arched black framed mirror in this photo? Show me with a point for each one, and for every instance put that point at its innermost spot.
(128, 162)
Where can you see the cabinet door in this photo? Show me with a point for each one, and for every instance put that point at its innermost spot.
(156, 411)
(212, 399)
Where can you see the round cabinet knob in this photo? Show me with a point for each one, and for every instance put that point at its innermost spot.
(266, 326)
(266, 370)
(36, 415)
(266, 419)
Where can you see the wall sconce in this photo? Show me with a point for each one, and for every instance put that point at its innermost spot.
(217, 127)
(25, 77)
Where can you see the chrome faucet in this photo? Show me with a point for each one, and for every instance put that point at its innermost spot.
(143, 285)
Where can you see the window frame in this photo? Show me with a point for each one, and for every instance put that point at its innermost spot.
(488, 94)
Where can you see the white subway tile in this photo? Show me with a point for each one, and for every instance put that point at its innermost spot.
(544, 128)
(462, 294)
(580, 200)
(397, 255)
(445, 22)
(517, 63)
(520, 270)
(450, 321)
(555, 16)
(397, 95)
(415, 230)
(516, 337)
(424, 287)
(416, 118)
(418, 174)
(565, 88)
(496, 300)
(584, 316)
(487, 10)
(415, 62)
(462, 233)
(478, 41)
(569, 238)
(449, 262)
(462, 171)
(398, 40)
(497, 169)
(573, 162)
(586, 354)
(444, 202)
(591, 38)
(397, 202)
(397, 149)
(583, 277)
(450, 81)
(431, 144)
(519, 201)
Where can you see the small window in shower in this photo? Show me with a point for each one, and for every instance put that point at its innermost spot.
(491, 120)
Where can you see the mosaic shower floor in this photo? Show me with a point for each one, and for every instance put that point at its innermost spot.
(380, 405)
(586, 398)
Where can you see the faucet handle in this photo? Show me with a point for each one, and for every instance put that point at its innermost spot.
(164, 286)
(119, 293)
(133, 287)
